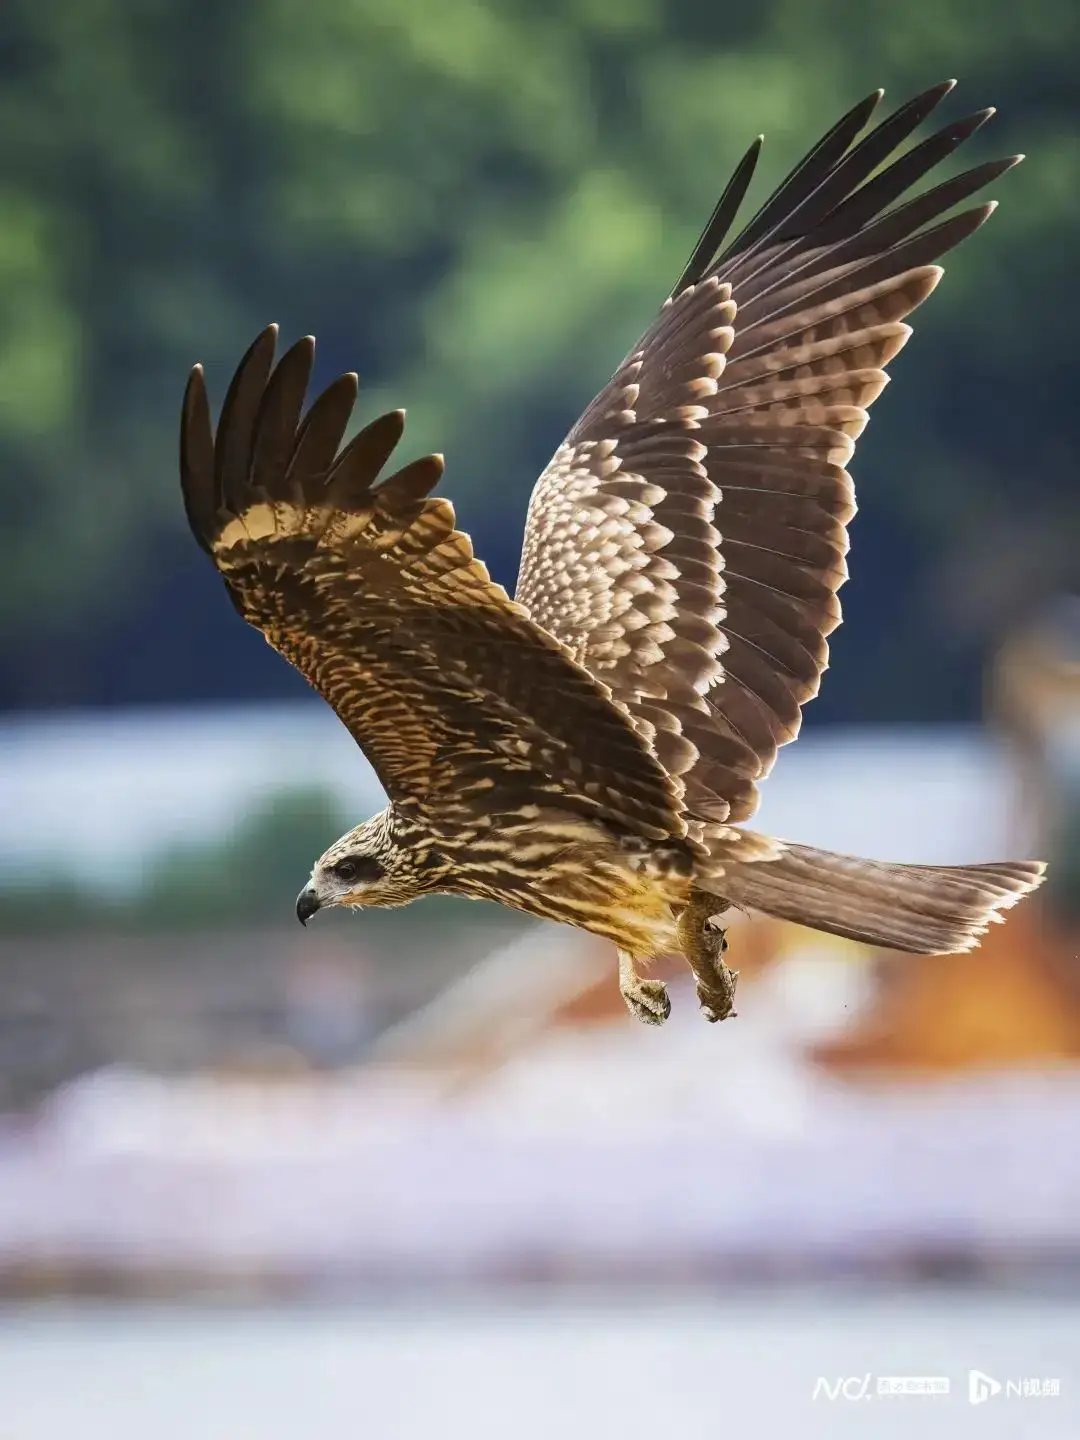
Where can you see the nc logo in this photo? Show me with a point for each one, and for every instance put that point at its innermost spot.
(981, 1387)
(850, 1387)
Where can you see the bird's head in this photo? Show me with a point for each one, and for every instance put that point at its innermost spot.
(364, 867)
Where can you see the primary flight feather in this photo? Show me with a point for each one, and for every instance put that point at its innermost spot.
(587, 750)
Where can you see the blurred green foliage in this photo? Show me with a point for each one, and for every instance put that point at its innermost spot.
(248, 875)
(479, 206)
(251, 873)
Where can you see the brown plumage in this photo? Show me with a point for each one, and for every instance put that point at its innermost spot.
(587, 750)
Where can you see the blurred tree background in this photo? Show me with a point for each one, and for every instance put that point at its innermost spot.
(479, 206)
(238, 877)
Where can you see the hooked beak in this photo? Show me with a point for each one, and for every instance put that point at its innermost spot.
(307, 902)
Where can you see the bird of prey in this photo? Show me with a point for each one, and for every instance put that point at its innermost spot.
(589, 750)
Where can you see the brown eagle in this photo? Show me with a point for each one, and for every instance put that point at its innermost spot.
(588, 751)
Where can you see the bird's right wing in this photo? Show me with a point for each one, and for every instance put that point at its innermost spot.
(462, 704)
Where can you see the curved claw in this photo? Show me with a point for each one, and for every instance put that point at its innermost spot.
(648, 1001)
(718, 1002)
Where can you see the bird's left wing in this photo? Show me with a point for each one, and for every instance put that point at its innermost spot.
(461, 702)
(688, 538)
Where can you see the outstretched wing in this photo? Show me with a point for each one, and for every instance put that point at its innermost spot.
(462, 703)
(688, 538)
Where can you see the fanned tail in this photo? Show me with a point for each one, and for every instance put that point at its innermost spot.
(923, 909)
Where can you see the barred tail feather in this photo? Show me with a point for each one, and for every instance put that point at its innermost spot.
(923, 909)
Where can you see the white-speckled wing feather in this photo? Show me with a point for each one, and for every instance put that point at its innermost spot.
(687, 540)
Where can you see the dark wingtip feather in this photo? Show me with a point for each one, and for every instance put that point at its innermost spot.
(859, 113)
(359, 464)
(807, 174)
(831, 187)
(926, 100)
(261, 350)
(719, 222)
(831, 196)
(368, 451)
(978, 118)
(236, 426)
(299, 356)
(320, 435)
(197, 480)
(833, 209)
(279, 415)
(897, 178)
(411, 484)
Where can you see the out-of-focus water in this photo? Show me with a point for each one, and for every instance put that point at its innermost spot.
(533, 1368)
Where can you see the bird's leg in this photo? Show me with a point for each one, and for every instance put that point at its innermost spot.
(704, 945)
(646, 999)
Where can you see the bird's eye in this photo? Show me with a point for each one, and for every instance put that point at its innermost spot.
(358, 867)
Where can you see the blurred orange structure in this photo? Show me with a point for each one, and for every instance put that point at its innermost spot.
(1008, 1003)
